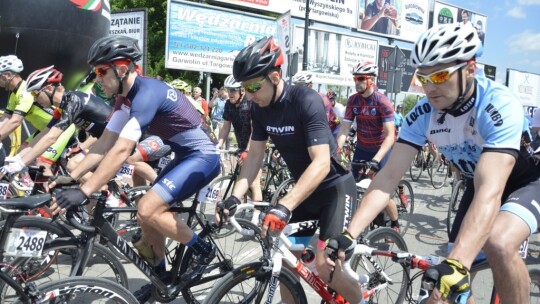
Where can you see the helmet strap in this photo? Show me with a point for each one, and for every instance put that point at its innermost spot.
(8, 81)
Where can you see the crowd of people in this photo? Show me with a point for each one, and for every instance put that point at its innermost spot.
(473, 121)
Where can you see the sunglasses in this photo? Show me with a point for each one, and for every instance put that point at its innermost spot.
(254, 86)
(440, 76)
(232, 90)
(35, 94)
(102, 71)
(361, 78)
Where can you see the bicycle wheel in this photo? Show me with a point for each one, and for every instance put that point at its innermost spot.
(232, 251)
(438, 173)
(218, 190)
(282, 190)
(455, 199)
(534, 295)
(384, 239)
(84, 290)
(417, 166)
(405, 205)
(57, 262)
(249, 284)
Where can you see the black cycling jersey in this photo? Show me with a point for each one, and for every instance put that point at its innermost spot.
(88, 112)
(294, 123)
(240, 117)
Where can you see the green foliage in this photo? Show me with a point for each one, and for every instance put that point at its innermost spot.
(409, 102)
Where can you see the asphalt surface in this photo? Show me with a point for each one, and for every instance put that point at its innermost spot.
(426, 235)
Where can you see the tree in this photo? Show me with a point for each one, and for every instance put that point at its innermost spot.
(409, 102)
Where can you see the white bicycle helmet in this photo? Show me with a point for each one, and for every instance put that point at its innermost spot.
(231, 83)
(302, 78)
(42, 77)
(365, 68)
(446, 43)
(10, 63)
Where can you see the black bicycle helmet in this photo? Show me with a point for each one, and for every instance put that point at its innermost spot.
(257, 59)
(111, 48)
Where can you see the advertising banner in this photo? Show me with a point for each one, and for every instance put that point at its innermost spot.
(274, 6)
(132, 23)
(338, 12)
(486, 70)
(385, 65)
(207, 39)
(331, 56)
(399, 19)
(445, 13)
(285, 40)
(525, 85)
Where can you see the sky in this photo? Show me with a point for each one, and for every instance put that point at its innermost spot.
(512, 33)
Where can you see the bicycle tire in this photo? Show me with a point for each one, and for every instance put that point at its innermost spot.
(384, 239)
(405, 208)
(243, 251)
(238, 282)
(438, 173)
(534, 295)
(455, 199)
(85, 290)
(417, 166)
(282, 190)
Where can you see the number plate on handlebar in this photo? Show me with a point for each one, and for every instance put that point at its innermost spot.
(25, 242)
(4, 189)
(163, 162)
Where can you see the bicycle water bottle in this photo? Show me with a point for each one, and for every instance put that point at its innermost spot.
(308, 258)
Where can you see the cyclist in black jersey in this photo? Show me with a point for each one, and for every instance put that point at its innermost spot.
(295, 119)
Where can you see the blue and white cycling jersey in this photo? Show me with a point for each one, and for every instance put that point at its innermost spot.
(492, 120)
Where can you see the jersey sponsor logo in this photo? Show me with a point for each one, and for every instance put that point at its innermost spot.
(417, 112)
(284, 130)
(445, 130)
(373, 112)
(169, 184)
(171, 94)
(494, 114)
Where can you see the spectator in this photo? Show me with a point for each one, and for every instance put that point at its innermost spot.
(200, 100)
(217, 104)
(398, 117)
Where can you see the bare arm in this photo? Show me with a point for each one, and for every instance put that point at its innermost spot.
(384, 183)
(344, 129)
(109, 166)
(40, 144)
(368, 23)
(250, 167)
(10, 125)
(489, 185)
(96, 154)
(224, 132)
(311, 178)
(389, 139)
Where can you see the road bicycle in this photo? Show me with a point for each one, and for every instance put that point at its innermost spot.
(458, 189)
(17, 242)
(420, 163)
(231, 251)
(263, 281)
(439, 171)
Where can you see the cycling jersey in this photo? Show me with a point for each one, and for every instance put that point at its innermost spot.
(154, 106)
(294, 123)
(370, 113)
(240, 117)
(86, 111)
(22, 103)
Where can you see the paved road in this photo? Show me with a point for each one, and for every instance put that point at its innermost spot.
(426, 235)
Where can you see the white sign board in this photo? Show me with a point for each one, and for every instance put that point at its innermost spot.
(132, 24)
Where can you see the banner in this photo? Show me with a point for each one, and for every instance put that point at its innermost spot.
(340, 12)
(526, 86)
(132, 23)
(274, 6)
(331, 56)
(445, 13)
(285, 40)
(486, 70)
(207, 39)
(385, 65)
(399, 19)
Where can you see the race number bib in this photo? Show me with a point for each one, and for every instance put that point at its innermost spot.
(126, 170)
(209, 194)
(4, 189)
(25, 242)
(163, 162)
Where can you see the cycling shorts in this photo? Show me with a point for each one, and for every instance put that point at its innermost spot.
(152, 148)
(185, 175)
(333, 208)
(54, 152)
(523, 203)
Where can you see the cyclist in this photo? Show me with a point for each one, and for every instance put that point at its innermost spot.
(304, 78)
(237, 114)
(295, 119)
(375, 135)
(21, 106)
(148, 104)
(339, 109)
(477, 124)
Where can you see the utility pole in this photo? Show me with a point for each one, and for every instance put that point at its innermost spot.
(306, 38)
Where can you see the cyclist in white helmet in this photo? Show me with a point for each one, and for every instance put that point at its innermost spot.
(478, 125)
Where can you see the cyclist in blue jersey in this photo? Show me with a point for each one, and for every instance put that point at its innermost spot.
(146, 104)
(478, 125)
(295, 119)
